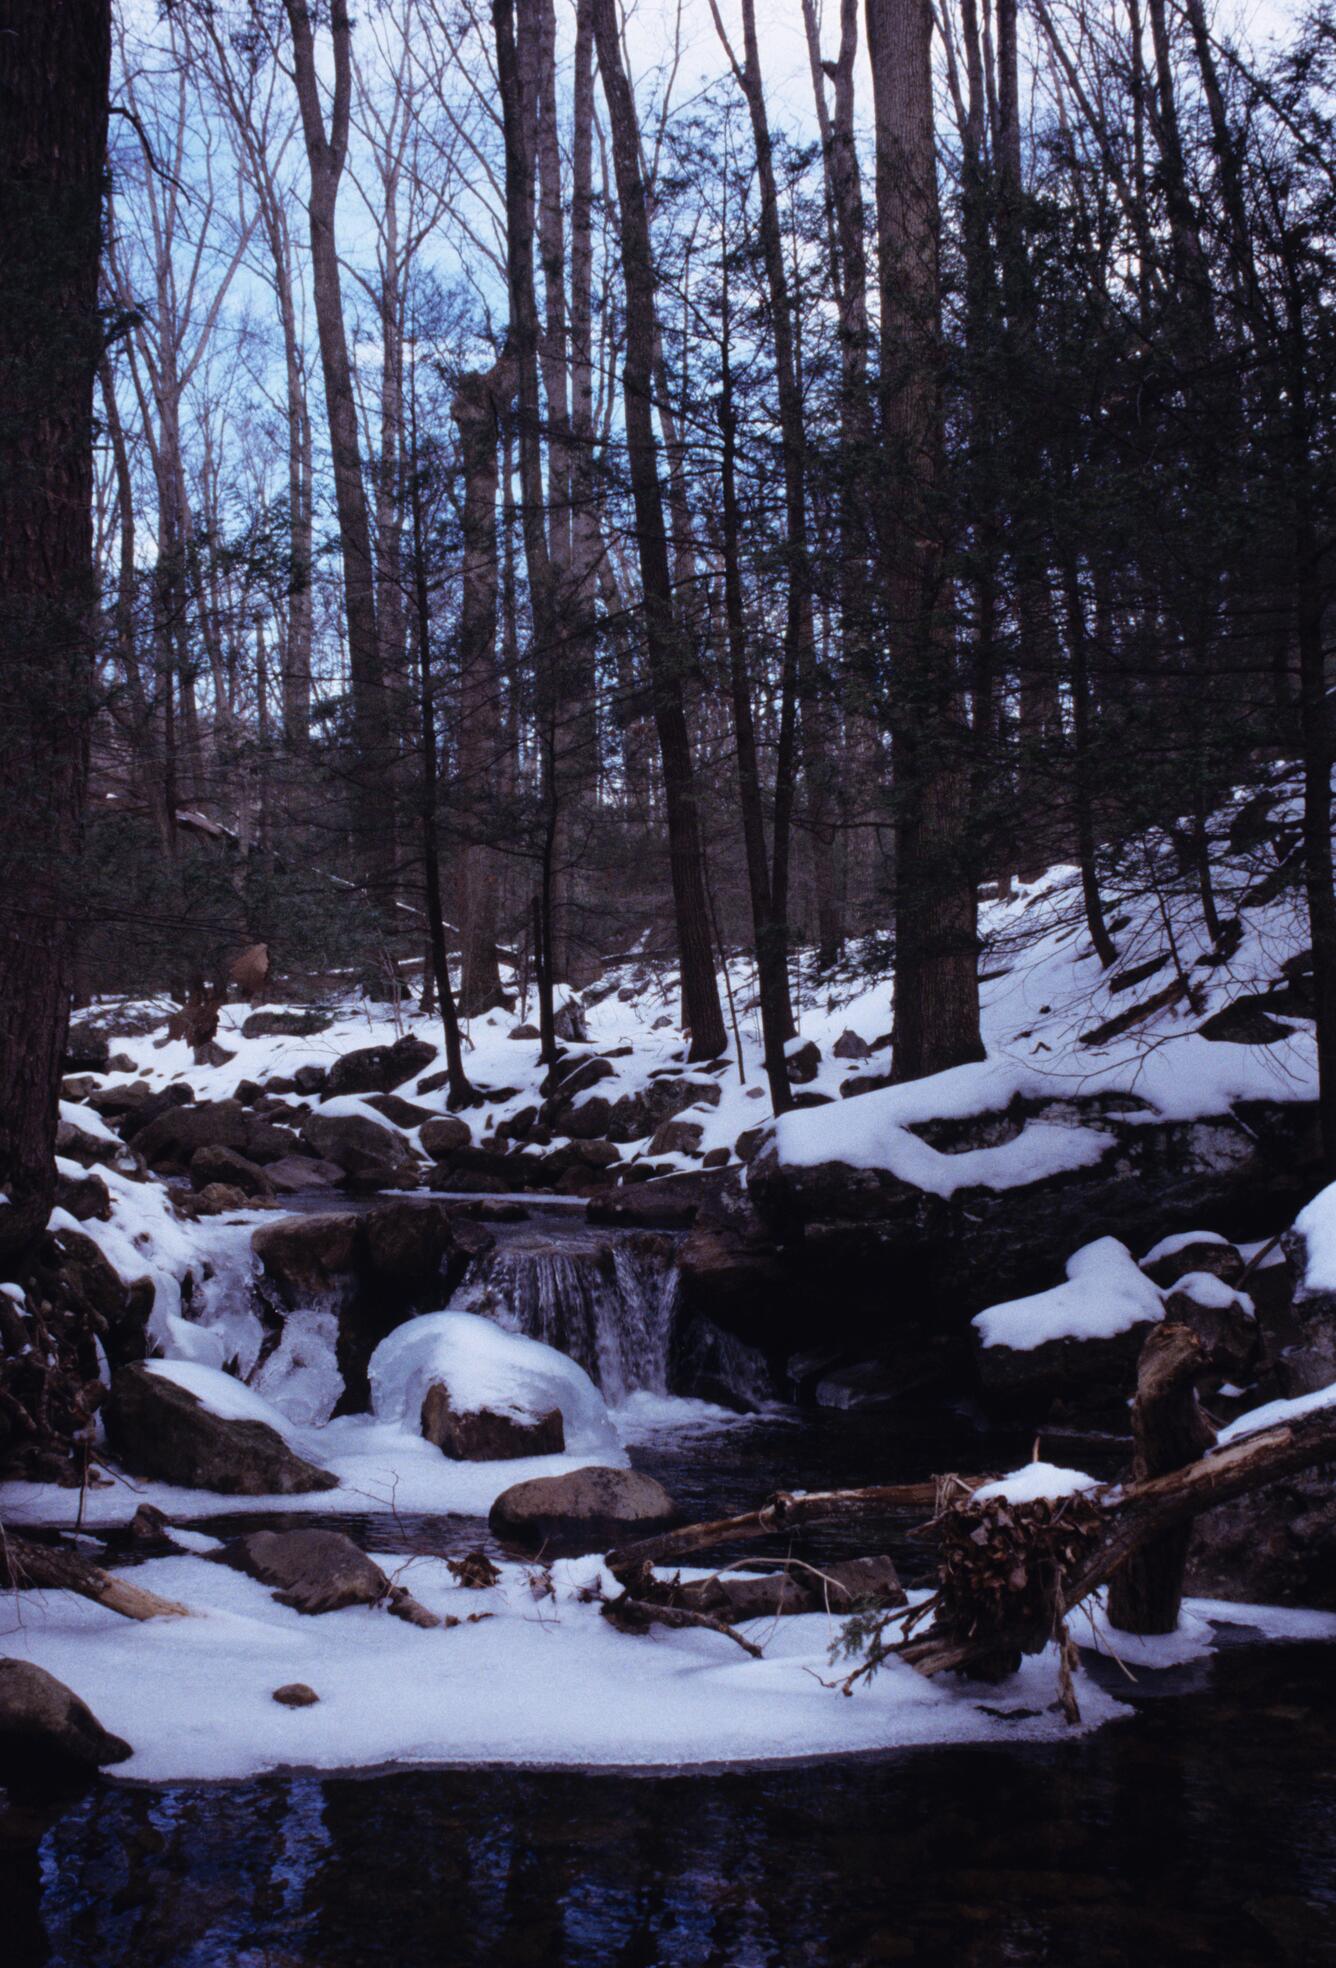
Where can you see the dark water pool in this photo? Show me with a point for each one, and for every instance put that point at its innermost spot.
(1200, 1829)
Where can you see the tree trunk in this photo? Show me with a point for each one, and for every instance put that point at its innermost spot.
(666, 656)
(936, 986)
(1169, 1431)
(373, 824)
(54, 65)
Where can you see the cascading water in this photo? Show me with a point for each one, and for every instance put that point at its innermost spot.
(610, 1303)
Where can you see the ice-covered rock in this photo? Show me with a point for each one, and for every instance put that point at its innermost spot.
(485, 1370)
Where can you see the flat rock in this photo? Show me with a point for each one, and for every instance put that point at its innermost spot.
(358, 1144)
(226, 1165)
(158, 1428)
(316, 1571)
(586, 1507)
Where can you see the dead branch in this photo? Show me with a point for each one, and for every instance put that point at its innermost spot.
(784, 1512)
(55, 1568)
(635, 1615)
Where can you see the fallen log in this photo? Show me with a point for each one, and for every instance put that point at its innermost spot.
(1125, 1521)
(637, 1615)
(784, 1512)
(25, 1564)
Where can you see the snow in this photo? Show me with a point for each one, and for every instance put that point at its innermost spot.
(1171, 1246)
(1204, 1288)
(221, 1393)
(542, 1681)
(1036, 1482)
(1274, 1413)
(1316, 1224)
(301, 1376)
(1105, 1293)
(484, 1366)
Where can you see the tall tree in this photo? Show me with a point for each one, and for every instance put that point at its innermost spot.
(55, 58)
(700, 991)
(936, 980)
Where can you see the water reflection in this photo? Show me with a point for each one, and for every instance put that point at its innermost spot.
(1202, 1829)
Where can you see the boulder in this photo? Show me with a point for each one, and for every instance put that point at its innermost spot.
(587, 1508)
(76, 1274)
(1222, 1318)
(850, 1046)
(583, 1120)
(210, 1053)
(295, 1173)
(86, 1197)
(569, 1023)
(210, 1165)
(48, 1737)
(804, 1061)
(316, 1571)
(566, 1080)
(670, 1203)
(147, 1105)
(637, 1114)
(406, 1243)
(119, 1098)
(310, 1260)
(215, 1199)
(485, 1436)
(443, 1135)
(169, 1143)
(158, 1427)
(524, 1032)
(358, 1144)
(76, 1144)
(676, 1137)
(400, 1112)
(87, 1048)
(309, 1079)
(1177, 1257)
(295, 1024)
(378, 1069)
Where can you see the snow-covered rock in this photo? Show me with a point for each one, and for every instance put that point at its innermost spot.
(485, 1370)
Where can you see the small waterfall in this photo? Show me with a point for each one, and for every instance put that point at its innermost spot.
(608, 1302)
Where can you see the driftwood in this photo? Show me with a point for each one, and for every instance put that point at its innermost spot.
(1126, 1520)
(1169, 1431)
(24, 1563)
(790, 1513)
(636, 1615)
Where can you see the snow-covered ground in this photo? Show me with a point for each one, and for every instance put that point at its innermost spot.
(541, 1680)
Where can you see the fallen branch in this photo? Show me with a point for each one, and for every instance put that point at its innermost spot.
(1132, 1517)
(55, 1568)
(634, 1615)
(784, 1512)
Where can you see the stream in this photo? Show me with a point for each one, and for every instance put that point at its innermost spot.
(1201, 1827)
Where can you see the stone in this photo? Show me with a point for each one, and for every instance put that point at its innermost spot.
(310, 1079)
(749, 1143)
(295, 1694)
(585, 1507)
(75, 1272)
(358, 1144)
(668, 1204)
(864, 1083)
(81, 1086)
(850, 1046)
(215, 1199)
(677, 1137)
(402, 1113)
(76, 1144)
(569, 1023)
(169, 1143)
(141, 1104)
(804, 1062)
(1276, 1547)
(210, 1165)
(578, 1077)
(49, 1739)
(715, 1158)
(296, 1024)
(316, 1571)
(637, 1114)
(1211, 1254)
(158, 1428)
(839, 1587)
(406, 1243)
(524, 1032)
(212, 1054)
(663, 1023)
(444, 1135)
(586, 1120)
(295, 1173)
(86, 1197)
(87, 1049)
(378, 1069)
(247, 1092)
(485, 1436)
(306, 1257)
(1244, 1023)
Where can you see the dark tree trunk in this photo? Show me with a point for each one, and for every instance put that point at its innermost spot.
(700, 990)
(1169, 1431)
(936, 985)
(54, 66)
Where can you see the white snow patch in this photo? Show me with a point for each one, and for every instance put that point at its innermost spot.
(1105, 1294)
(1316, 1224)
(1037, 1482)
(1274, 1413)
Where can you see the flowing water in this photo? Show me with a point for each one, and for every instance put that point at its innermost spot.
(1199, 1829)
